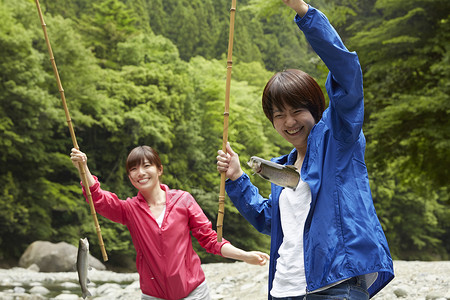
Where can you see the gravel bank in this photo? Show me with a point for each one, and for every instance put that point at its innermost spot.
(414, 280)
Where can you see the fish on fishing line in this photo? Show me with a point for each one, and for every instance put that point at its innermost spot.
(83, 266)
(286, 176)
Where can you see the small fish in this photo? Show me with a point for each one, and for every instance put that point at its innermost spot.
(286, 176)
(83, 266)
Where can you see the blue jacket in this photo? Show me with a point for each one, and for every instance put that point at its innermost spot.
(342, 234)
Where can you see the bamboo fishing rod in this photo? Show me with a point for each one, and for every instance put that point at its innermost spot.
(83, 175)
(226, 115)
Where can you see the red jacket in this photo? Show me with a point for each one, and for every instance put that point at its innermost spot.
(167, 264)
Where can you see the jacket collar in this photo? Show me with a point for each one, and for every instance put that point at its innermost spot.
(287, 159)
(165, 188)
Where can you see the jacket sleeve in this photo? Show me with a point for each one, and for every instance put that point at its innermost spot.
(256, 209)
(201, 227)
(344, 82)
(106, 203)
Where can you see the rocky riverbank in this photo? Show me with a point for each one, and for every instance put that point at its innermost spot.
(414, 280)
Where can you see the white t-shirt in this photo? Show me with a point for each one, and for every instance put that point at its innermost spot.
(290, 279)
(160, 219)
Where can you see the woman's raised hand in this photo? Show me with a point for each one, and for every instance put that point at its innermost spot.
(78, 157)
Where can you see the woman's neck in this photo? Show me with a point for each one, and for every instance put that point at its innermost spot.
(156, 196)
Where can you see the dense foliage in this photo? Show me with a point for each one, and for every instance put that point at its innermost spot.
(406, 57)
(153, 72)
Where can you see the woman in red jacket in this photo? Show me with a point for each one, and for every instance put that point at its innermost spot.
(160, 221)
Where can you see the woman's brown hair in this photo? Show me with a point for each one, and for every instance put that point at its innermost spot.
(139, 154)
(294, 88)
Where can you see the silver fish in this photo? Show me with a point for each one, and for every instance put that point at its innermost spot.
(83, 266)
(286, 176)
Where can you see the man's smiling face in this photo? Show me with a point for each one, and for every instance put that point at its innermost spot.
(293, 124)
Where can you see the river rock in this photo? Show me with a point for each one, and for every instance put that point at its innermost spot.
(51, 257)
(39, 290)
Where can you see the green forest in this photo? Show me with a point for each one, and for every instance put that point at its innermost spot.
(153, 72)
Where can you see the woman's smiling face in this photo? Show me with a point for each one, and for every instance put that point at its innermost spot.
(293, 124)
(144, 175)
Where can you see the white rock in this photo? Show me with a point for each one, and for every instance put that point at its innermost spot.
(66, 297)
(108, 288)
(19, 290)
(133, 286)
(247, 286)
(33, 267)
(218, 297)
(69, 285)
(39, 290)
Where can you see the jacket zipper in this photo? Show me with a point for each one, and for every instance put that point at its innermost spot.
(307, 293)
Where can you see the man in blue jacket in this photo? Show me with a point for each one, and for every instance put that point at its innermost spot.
(326, 239)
